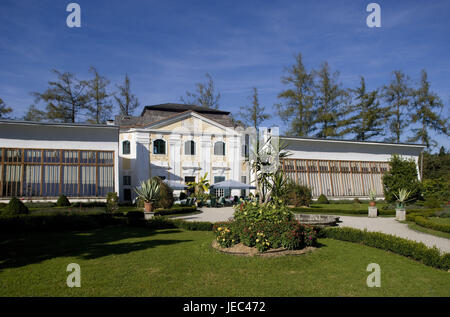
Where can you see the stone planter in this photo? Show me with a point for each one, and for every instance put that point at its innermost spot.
(148, 215)
(400, 214)
(373, 212)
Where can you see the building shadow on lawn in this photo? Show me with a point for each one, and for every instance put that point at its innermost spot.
(18, 250)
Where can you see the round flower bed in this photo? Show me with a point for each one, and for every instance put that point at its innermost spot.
(263, 228)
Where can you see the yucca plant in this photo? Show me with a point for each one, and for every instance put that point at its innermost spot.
(402, 197)
(148, 191)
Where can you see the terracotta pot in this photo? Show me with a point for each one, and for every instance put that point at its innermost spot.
(148, 207)
(372, 203)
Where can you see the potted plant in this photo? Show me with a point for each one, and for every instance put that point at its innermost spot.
(373, 211)
(148, 191)
(372, 198)
(402, 198)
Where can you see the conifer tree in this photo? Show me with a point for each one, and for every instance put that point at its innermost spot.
(426, 112)
(126, 101)
(204, 96)
(4, 109)
(296, 109)
(65, 97)
(99, 106)
(330, 103)
(253, 114)
(367, 118)
(398, 97)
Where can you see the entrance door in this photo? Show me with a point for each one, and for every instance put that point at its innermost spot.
(188, 179)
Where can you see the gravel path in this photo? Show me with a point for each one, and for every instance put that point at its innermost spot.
(380, 224)
(392, 226)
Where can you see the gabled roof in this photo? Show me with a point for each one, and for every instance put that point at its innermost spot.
(176, 107)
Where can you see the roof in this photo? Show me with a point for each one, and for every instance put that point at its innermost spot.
(176, 107)
(60, 124)
(161, 112)
(350, 141)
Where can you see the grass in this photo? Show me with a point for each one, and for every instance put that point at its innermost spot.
(127, 261)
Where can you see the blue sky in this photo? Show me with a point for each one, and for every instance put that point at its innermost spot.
(168, 46)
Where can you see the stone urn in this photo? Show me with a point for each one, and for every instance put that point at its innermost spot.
(148, 210)
(373, 212)
(400, 213)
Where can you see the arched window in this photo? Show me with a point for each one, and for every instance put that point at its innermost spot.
(126, 147)
(219, 148)
(189, 148)
(159, 146)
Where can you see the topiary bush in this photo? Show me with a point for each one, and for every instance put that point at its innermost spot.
(112, 202)
(402, 174)
(298, 195)
(62, 201)
(165, 197)
(15, 207)
(322, 199)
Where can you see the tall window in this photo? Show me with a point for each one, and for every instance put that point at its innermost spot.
(126, 180)
(159, 146)
(189, 148)
(50, 173)
(126, 147)
(219, 148)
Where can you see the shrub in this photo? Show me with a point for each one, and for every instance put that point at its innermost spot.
(356, 201)
(165, 197)
(224, 235)
(415, 250)
(402, 175)
(436, 189)
(112, 202)
(252, 212)
(323, 199)
(56, 221)
(15, 207)
(432, 203)
(298, 195)
(62, 201)
(175, 210)
(136, 218)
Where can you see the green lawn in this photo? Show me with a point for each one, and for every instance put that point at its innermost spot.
(127, 261)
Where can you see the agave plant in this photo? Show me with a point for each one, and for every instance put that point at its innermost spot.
(148, 190)
(402, 197)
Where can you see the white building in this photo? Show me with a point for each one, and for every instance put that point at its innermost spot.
(175, 142)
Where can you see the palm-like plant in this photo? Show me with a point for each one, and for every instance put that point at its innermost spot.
(201, 186)
(402, 197)
(148, 191)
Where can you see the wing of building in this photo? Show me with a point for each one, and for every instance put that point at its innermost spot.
(180, 143)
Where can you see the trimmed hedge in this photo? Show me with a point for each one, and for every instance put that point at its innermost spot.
(175, 210)
(381, 212)
(164, 223)
(415, 250)
(56, 222)
(421, 218)
(425, 222)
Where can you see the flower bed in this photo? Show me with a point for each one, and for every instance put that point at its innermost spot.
(264, 227)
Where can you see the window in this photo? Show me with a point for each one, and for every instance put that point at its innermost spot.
(126, 147)
(189, 179)
(189, 148)
(219, 148)
(159, 146)
(50, 173)
(126, 180)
